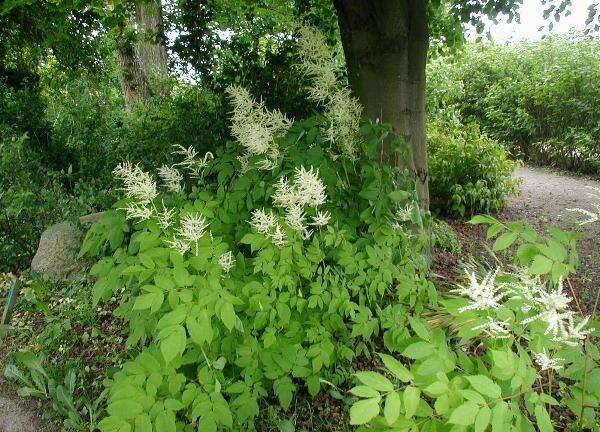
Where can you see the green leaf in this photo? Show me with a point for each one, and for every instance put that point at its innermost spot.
(143, 423)
(375, 381)
(165, 422)
(543, 419)
(504, 241)
(364, 410)
(420, 327)
(483, 419)
(395, 367)
(364, 392)
(172, 342)
(464, 414)
(499, 413)
(125, 408)
(228, 316)
(391, 411)
(418, 350)
(284, 390)
(412, 397)
(146, 301)
(480, 219)
(540, 265)
(485, 386)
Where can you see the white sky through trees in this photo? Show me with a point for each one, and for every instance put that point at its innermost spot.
(531, 20)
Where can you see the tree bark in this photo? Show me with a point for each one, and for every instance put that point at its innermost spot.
(385, 44)
(133, 79)
(152, 43)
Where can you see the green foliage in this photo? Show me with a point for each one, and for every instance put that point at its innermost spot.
(539, 97)
(554, 256)
(484, 368)
(469, 172)
(212, 343)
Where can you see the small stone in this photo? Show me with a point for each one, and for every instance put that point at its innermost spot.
(56, 255)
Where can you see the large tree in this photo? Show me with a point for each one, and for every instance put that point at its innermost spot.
(385, 43)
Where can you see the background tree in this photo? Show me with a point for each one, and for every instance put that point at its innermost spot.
(386, 45)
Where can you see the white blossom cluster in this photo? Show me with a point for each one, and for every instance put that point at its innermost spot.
(267, 224)
(591, 215)
(193, 164)
(193, 227)
(139, 187)
(483, 295)
(227, 261)
(171, 178)
(342, 109)
(545, 362)
(306, 189)
(256, 128)
(546, 304)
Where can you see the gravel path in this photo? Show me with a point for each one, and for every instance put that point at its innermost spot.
(20, 415)
(544, 197)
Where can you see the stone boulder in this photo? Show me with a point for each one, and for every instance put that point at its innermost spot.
(56, 256)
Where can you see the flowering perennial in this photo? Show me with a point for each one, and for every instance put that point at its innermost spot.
(342, 109)
(546, 304)
(193, 227)
(194, 165)
(139, 187)
(171, 178)
(545, 362)
(256, 128)
(483, 295)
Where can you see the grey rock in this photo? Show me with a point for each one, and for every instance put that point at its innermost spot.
(91, 218)
(56, 254)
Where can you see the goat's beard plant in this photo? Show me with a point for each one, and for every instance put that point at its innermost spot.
(279, 263)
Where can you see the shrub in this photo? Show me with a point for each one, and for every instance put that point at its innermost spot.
(538, 97)
(469, 172)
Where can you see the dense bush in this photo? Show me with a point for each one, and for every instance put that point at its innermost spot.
(540, 97)
(469, 172)
(60, 141)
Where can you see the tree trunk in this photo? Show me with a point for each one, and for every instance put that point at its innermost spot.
(133, 80)
(385, 44)
(152, 43)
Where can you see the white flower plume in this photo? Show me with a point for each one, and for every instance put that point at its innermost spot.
(171, 178)
(545, 362)
(593, 215)
(483, 295)
(191, 161)
(494, 328)
(137, 184)
(255, 127)
(342, 109)
(226, 261)
(192, 229)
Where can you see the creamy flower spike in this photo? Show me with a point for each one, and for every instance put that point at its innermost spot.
(137, 184)
(191, 162)
(483, 295)
(256, 128)
(321, 219)
(171, 178)
(342, 109)
(193, 227)
(543, 360)
(494, 328)
(226, 261)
